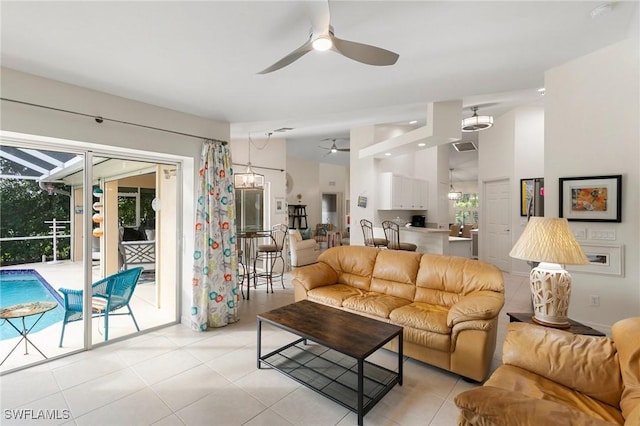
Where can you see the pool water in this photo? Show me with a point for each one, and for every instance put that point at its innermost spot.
(23, 286)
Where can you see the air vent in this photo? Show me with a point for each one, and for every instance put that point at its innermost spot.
(465, 146)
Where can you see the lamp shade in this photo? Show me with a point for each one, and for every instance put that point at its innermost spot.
(550, 240)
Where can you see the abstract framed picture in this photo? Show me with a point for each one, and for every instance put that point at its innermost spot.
(531, 200)
(603, 259)
(591, 199)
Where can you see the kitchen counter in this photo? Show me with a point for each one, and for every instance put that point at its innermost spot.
(428, 240)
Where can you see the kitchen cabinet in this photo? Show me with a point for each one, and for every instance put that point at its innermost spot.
(398, 192)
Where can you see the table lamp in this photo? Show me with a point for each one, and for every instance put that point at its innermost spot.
(549, 241)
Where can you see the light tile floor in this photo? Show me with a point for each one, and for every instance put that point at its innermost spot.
(175, 376)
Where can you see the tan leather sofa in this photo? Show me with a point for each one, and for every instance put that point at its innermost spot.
(448, 306)
(553, 377)
(303, 252)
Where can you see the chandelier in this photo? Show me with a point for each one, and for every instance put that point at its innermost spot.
(453, 194)
(248, 179)
(476, 122)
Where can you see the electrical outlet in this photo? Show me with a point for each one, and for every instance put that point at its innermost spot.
(595, 301)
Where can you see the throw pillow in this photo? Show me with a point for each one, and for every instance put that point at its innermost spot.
(306, 233)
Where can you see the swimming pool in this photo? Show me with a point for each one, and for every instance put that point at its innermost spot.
(26, 285)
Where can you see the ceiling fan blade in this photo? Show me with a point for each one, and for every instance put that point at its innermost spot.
(344, 149)
(319, 14)
(364, 53)
(290, 58)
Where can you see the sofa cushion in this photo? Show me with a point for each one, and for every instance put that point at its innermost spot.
(395, 273)
(422, 316)
(374, 304)
(443, 280)
(515, 379)
(354, 267)
(596, 373)
(333, 295)
(488, 405)
(626, 334)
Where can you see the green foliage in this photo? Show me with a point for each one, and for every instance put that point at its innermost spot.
(24, 208)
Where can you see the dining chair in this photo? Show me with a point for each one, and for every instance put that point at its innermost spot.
(369, 239)
(392, 232)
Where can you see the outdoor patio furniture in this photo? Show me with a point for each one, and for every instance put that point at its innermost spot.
(107, 296)
(138, 253)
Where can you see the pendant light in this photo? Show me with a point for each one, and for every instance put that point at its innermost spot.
(453, 194)
(248, 179)
(476, 122)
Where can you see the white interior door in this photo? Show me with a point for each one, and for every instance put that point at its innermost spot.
(497, 214)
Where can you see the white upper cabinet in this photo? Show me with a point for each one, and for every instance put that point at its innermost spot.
(401, 193)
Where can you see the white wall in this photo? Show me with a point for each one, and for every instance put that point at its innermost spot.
(592, 111)
(363, 174)
(269, 158)
(84, 132)
(306, 182)
(528, 162)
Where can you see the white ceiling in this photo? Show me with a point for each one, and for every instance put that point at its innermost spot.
(202, 57)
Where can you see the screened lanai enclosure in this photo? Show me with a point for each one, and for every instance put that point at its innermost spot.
(73, 234)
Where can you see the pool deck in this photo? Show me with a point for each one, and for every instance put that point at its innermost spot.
(69, 274)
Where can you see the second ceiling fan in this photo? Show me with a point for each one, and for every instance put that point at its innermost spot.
(334, 148)
(322, 38)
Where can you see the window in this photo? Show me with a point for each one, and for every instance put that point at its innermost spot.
(466, 209)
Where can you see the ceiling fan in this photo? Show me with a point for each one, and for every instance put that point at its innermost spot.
(321, 37)
(333, 148)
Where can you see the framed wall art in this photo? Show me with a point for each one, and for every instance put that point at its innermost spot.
(603, 259)
(531, 197)
(591, 199)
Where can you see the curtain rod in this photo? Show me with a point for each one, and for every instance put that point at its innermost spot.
(100, 120)
(259, 167)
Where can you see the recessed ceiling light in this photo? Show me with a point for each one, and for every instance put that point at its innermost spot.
(421, 144)
(413, 121)
(388, 154)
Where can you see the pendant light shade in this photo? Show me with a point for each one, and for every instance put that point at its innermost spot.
(476, 122)
(248, 179)
(453, 194)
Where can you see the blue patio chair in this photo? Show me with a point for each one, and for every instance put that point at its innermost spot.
(107, 296)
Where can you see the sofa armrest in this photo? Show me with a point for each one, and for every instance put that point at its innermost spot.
(588, 364)
(490, 405)
(312, 276)
(480, 305)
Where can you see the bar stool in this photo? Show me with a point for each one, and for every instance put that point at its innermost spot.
(369, 240)
(270, 253)
(392, 232)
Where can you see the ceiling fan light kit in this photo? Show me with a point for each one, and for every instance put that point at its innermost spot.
(476, 122)
(324, 39)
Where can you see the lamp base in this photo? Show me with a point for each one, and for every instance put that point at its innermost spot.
(550, 292)
(551, 324)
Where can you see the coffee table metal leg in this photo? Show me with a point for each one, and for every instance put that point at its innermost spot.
(259, 333)
(400, 359)
(360, 391)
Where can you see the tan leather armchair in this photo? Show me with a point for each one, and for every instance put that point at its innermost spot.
(551, 377)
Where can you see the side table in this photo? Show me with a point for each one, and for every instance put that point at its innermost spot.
(574, 326)
(22, 311)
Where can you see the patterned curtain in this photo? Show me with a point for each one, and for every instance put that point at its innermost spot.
(215, 268)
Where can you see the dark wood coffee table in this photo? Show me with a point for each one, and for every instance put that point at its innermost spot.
(336, 366)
